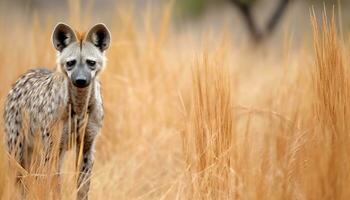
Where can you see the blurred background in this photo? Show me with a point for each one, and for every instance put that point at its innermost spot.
(204, 99)
(254, 20)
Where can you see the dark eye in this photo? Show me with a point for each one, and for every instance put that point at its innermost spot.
(91, 64)
(70, 64)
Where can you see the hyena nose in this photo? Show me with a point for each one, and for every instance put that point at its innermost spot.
(81, 82)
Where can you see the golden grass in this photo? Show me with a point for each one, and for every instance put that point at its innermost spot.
(190, 118)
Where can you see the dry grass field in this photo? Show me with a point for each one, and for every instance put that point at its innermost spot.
(200, 117)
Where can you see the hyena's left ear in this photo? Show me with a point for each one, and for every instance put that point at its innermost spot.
(100, 36)
(62, 36)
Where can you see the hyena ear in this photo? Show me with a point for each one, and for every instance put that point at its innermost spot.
(100, 36)
(62, 36)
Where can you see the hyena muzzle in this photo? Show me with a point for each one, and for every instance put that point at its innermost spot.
(70, 94)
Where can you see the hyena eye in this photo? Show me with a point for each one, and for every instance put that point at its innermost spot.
(91, 64)
(70, 64)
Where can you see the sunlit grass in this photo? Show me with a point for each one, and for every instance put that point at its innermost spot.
(200, 117)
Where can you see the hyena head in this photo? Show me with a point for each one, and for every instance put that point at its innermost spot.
(81, 58)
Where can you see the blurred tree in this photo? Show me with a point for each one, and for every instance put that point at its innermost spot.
(245, 8)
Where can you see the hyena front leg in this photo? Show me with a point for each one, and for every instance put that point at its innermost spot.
(85, 165)
(86, 151)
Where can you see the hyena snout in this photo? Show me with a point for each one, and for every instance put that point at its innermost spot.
(81, 78)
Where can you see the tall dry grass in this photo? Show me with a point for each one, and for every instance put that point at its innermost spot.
(199, 117)
(208, 141)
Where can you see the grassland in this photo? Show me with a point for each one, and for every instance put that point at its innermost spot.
(207, 118)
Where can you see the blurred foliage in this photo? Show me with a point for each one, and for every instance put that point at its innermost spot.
(246, 2)
(191, 8)
(194, 8)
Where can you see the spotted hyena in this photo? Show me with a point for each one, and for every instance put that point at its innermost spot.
(42, 98)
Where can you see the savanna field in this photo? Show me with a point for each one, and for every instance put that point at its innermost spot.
(197, 114)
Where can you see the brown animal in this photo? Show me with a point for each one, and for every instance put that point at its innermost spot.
(47, 97)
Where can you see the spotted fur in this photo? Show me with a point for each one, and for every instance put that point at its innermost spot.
(47, 97)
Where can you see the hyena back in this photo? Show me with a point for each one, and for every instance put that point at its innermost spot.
(72, 91)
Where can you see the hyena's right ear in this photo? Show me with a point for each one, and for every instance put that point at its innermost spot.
(99, 36)
(62, 36)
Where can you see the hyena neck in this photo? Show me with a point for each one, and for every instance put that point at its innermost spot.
(80, 98)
